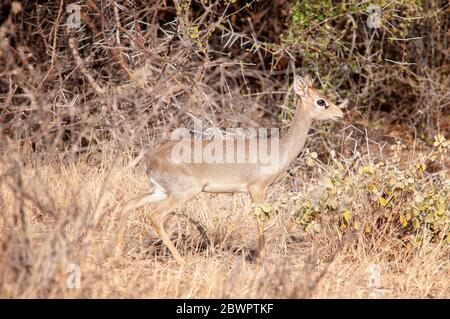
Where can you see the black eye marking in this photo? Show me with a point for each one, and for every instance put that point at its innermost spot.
(322, 103)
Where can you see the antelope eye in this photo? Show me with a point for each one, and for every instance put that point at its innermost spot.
(322, 103)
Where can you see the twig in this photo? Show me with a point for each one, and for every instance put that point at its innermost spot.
(80, 64)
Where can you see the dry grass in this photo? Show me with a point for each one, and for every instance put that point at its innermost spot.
(63, 214)
(133, 72)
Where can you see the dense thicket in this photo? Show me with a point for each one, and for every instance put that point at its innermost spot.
(133, 70)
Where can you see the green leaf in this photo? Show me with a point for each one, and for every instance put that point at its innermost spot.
(441, 208)
(265, 208)
(328, 183)
(367, 170)
(347, 215)
(309, 162)
(403, 221)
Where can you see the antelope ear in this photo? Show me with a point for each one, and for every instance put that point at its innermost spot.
(309, 80)
(301, 86)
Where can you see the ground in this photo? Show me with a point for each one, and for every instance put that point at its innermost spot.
(80, 216)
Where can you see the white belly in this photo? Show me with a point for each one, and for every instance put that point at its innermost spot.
(225, 188)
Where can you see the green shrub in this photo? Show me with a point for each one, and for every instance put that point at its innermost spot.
(368, 196)
(385, 69)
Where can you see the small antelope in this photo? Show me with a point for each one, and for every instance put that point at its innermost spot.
(174, 182)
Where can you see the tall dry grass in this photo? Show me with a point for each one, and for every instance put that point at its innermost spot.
(56, 215)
